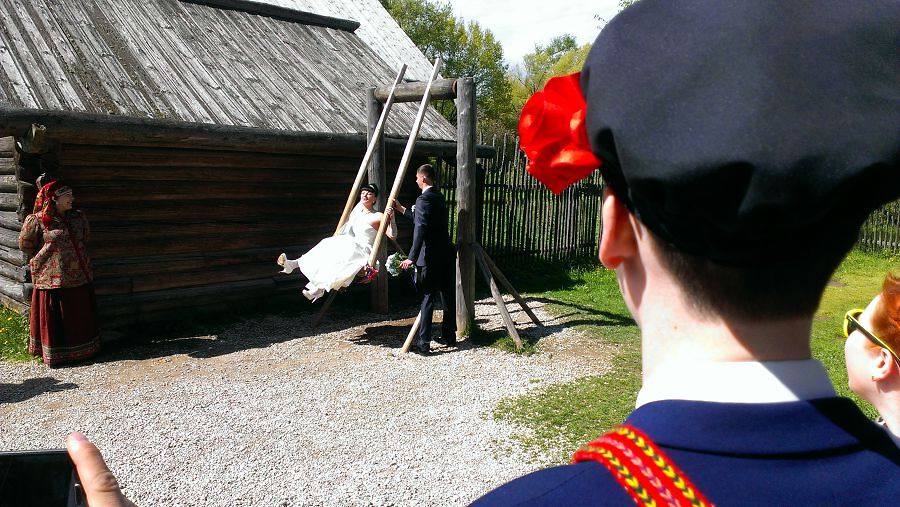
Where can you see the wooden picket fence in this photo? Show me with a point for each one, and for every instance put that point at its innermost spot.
(882, 230)
(523, 222)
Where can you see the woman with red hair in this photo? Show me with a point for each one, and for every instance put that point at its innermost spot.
(63, 308)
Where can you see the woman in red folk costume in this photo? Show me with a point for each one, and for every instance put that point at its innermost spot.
(63, 308)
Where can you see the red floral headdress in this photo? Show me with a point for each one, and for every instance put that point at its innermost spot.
(43, 203)
(553, 134)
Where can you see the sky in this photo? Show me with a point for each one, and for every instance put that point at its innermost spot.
(520, 24)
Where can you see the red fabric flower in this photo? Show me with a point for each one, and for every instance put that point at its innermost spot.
(553, 134)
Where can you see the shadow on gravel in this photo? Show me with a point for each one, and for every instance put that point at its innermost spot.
(29, 388)
(573, 315)
(229, 331)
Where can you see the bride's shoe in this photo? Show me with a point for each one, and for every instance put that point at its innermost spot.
(313, 295)
(288, 265)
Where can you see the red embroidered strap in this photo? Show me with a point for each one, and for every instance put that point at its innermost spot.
(639, 466)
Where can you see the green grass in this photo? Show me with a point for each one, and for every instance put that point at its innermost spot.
(558, 419)
(561, 417)
(13, 337)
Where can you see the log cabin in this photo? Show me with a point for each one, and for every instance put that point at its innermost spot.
(201, 137)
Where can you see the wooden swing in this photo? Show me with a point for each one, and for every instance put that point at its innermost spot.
(398, 179)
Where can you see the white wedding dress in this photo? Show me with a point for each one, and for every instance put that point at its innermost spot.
(334, 262)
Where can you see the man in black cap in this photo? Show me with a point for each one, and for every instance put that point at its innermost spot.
(744, 143)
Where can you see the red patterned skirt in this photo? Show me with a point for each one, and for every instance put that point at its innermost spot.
(64, 324)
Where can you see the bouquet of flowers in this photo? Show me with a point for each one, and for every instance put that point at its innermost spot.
(393, 263)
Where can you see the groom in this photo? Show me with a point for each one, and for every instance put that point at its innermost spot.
(434, 256)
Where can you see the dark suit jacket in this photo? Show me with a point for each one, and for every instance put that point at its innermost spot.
(818, 452)
(431, 245)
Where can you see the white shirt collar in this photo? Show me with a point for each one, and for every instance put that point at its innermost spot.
(426, 188)
(738, 382)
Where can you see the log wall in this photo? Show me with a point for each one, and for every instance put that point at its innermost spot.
(174, 229)
(15, 286)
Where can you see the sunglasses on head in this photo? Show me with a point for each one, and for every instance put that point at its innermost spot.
(851, 323)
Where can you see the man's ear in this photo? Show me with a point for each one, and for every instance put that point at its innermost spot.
(618, 239)
(883, 364)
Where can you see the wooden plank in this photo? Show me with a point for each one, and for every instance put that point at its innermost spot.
(9, 239)
(324, 309)
(7, 147)
(9, 202)
(378, 289)
(407, 344)
(12, 272)
(19, 307)
(111, 249)
(116, 130)
(13, 256)
(442, 89)
(330, 171)
(8, 166)
(10, 220)
(16, 290)
(284, 13)
(501, 305)
(8, 183)
(479, 252)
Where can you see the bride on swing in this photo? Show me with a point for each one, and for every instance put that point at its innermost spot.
(335, 261)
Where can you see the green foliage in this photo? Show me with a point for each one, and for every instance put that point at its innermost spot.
(559, 418)
(13, 336)
(466, 50)
(561, 56)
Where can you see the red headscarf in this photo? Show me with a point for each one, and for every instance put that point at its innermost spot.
(44, 205)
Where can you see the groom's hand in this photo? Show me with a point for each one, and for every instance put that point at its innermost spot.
(406, 264)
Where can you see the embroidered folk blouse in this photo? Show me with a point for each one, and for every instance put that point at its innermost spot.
(58, 257)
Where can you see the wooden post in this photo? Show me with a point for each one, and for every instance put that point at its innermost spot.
(465, 204)
(483, 256)
(412, 334)
(378, 175)
(375, 131)
(501, 305)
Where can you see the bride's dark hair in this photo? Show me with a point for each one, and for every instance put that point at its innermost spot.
(371, 187)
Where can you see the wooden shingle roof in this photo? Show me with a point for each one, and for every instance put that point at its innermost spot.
(376, 28)
(194, 63)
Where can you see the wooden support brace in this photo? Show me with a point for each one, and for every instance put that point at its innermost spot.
(325, 306)
(479, 251)
(412, 334)
(498, 298)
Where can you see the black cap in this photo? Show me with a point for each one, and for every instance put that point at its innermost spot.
(749, 131)
(371, 187)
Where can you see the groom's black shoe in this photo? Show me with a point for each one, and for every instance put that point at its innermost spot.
(449, 341)
(422, 351)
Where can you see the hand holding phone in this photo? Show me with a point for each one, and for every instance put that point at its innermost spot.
(45, 478)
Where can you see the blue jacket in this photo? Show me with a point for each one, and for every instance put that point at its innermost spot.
(819, 452)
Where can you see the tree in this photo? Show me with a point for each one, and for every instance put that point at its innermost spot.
(466, 50)
(561, 56)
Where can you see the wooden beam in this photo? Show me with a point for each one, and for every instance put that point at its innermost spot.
(480, 253)
(501, 305)
(282, 13)
(111, 130)
(412, 334)
(325, 306)
(466, 205)
(378, 289)
(441, 89)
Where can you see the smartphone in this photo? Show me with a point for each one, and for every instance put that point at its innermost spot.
(39, 478)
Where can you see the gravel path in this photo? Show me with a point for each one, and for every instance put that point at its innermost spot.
(270, 413)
